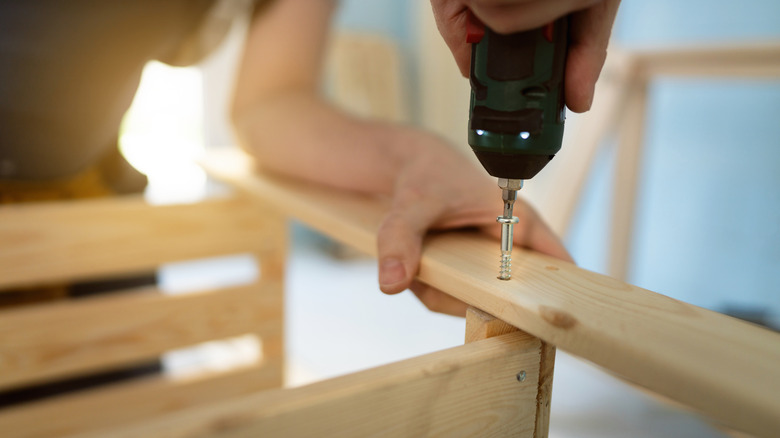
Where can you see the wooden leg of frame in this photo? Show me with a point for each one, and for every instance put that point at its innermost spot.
(627, 167)
(272, 264)
(481, 325)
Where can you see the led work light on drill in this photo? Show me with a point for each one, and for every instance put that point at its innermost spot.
(517, 109)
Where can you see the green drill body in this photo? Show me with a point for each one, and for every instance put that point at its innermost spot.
(517, 111)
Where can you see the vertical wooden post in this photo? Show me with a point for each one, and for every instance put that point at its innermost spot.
(627, 167)
(481, 325)
(271, 284)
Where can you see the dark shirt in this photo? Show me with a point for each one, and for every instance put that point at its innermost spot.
(69, 70)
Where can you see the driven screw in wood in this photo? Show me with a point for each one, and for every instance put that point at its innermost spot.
(507, 232)
(509, 188)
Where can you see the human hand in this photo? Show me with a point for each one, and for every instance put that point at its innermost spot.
(590, 25)
(438, 188)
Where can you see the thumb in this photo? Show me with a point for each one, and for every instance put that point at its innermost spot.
(399, 242)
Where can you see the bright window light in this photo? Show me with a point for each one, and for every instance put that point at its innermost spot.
(162, 134)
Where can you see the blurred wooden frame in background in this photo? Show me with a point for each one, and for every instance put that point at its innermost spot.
(44, 243)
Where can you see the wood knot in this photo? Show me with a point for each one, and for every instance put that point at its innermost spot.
(557, 318)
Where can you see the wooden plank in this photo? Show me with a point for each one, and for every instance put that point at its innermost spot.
(722, 367)
(66, 338)
(59, 241)
(481, 325)
(467, 391)
(107, 407)
(628, 157)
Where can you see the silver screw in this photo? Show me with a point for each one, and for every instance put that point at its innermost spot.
(509, 188)
(521, 376)
(507, 229)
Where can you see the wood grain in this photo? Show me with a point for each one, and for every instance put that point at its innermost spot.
(62, 241)
(110, 406)
(63, 339)
(465, 391)
(481, 325)
(720, 366)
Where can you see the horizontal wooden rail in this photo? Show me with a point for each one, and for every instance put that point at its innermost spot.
(62, 339)
(722, 367)
(113, 405)
(70, 239)
(759, 60)
(465, 391)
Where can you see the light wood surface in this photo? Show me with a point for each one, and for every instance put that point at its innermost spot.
(107, 407)
(271, 286)
(119, 235)
(77, 240)
(58, 340)
(466, 391)
(720, 366)
(481, 325)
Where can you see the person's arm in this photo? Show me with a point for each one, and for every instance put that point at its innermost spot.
(281, 119)
(590, 26)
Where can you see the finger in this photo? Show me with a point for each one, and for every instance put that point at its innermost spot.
(451, 19)
(589, 32)
(399, 240)
(438, 301)
(513, 16)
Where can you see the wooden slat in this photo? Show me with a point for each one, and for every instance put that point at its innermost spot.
(719, 365)
(755, 60)
(110, 406)
(71, 240)
(62, 339)
(466, 391)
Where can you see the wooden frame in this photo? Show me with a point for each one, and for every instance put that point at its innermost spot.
(52, 242)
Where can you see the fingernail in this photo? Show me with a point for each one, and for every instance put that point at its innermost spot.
(391, 271)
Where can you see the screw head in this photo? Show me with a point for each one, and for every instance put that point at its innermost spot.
(521, 376)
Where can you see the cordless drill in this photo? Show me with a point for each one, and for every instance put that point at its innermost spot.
(517, 109)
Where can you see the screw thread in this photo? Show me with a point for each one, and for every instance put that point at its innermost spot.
(505, 269)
